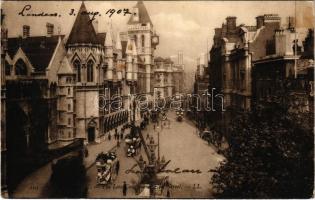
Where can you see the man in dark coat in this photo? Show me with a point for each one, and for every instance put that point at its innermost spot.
(117, 167)
(109, 136)
(124, 188)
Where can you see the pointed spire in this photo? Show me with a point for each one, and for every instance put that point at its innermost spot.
(140, 14)
(82, 30)
(118, 42)
(108, 39)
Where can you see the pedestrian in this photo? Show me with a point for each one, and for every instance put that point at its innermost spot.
(121, 135)
(124, 188)
(117, 167)
(109, 136)
(148, 137)
(168, 193)
(115, 136)
(118, 143)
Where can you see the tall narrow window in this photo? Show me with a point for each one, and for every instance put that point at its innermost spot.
(77, 67)
(136, 40)
(142, 40)
(20, 67)
(90, 71)
(7, 68)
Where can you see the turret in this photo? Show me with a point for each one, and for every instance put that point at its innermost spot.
(109, 55)
(129, 61)
(119, 57)
(135, 61)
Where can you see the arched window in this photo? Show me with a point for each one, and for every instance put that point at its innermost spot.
(7, 69)
(77, 67)
(20, 67)
(136, 40)
(90, 71)
(142, 40)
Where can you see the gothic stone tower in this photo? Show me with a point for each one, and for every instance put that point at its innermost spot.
(140, 30)
(86, 55)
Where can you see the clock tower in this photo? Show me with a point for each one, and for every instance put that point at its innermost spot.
(141, 31)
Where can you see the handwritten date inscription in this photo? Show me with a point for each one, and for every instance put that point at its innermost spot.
(109, 12)
(28, 12)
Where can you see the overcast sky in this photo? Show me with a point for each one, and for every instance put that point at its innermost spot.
(187, 26)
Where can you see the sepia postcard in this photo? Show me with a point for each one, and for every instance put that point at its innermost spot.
(157, 99)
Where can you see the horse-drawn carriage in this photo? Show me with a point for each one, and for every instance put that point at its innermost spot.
(132, 145)
(106, 165)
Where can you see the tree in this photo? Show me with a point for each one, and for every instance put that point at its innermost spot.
(269, 157)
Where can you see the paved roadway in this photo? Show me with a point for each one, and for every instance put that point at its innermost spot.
(179, 143)
(187, 150)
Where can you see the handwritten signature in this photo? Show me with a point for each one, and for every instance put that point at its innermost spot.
(173, 171)
(26, 11)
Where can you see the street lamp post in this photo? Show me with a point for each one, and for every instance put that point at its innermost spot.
(158, 146)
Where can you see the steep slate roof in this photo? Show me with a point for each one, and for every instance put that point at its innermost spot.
(143, 14)
(101, 37)
(159, 59)
(39, 49)
(82, 30)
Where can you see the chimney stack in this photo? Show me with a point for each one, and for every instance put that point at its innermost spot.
(180, 58)
(291, 22)
(231, 24)
(50, 29)
(260, 21)
(26, 31)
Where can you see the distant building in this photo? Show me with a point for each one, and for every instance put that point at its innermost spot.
(168, 77)
(199, 97)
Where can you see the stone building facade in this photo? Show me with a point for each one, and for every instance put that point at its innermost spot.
(287, 77)
(78, 80)
(168, 77)
(237, 49)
